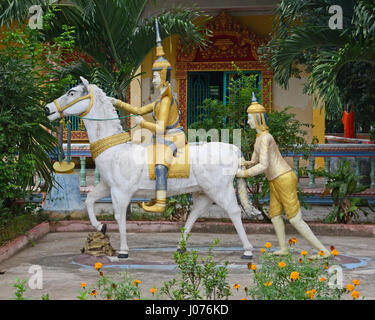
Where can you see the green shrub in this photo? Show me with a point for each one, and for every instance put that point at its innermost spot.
(296, 277)
(342, 185)
(199, 278)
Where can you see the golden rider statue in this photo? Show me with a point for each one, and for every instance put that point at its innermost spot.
(168, 135)
(282, 179)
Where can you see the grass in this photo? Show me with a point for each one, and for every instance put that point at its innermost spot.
(18, 226)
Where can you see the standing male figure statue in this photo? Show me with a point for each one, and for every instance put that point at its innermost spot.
(283, 181)
(168, 135)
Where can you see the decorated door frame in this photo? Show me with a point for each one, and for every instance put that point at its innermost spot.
(230, 45)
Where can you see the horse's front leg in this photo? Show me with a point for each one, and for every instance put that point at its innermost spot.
(100, 191)
(120, 201)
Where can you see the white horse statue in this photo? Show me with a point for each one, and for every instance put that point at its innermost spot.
(124, 167)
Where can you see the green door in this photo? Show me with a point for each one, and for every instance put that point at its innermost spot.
(198, 91)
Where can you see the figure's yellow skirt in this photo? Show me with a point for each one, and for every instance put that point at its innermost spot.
(283, 195)
(179, 167)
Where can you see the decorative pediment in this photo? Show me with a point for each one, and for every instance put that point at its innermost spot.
(229, 42)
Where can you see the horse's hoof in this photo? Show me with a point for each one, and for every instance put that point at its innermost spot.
(246, 257)
(123, 256)
(104, 228)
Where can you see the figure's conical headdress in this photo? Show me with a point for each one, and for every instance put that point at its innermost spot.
(259, 114)
(161, 64)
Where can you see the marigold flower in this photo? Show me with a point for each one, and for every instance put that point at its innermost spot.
(249, 265)
(94, 293)
(294, 276)
(313, 291)
(253, 267)
(311, 294)
(268, 245)
(98, 266)
(282, 264)
(83, 285)
(322, 279)
(332, 248)
(356, 282)
(236, 286)
(136, 282)
(262, 250)
(349, 287)
(300, 261)
(292, 241)
(153, 290)
(334, 252)
(303, 252)
(268, 283)
(355, 294)
(243, 299)
(321, 253)
(101, 273)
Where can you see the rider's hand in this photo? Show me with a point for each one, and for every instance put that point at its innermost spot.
(138, 120)
(241, 173)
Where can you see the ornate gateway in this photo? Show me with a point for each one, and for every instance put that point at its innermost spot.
(229, 43)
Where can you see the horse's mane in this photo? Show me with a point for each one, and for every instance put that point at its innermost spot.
(108, 110)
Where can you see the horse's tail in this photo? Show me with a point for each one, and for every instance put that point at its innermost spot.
(243, 196)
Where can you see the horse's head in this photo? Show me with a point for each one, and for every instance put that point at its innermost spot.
(77, 101)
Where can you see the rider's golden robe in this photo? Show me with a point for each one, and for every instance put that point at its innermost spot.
(168, 135)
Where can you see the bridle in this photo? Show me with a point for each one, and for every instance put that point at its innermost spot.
(88, 96)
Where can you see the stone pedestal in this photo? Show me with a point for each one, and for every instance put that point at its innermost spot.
(65, 198)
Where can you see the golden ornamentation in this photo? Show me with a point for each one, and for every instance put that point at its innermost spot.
(101, 145)
(179, 168)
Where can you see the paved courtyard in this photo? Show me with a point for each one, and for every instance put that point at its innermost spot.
(151, 261)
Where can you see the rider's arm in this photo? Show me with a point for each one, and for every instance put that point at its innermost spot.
(135, 110)
(162, 120)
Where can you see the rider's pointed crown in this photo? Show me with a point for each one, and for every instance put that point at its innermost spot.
(161, 64)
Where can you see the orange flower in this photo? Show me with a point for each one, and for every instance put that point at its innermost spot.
(292, 241)
(243, 299)
(356, 282)
(268, 283)
(321, 253)
(268, 245)
(282, 264)
(153, 290)
(332, 248)
(334, 252)
(303, 252)
(94, 293)
(300, 261)
(349, 287)
(236, 286)
(322, 279)
(311, 293)
(249, 265)
(136, 282)
(98, 266)
(355, 294)
(253, 267)
(294, 276)
(83, 285)
(262, 250)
